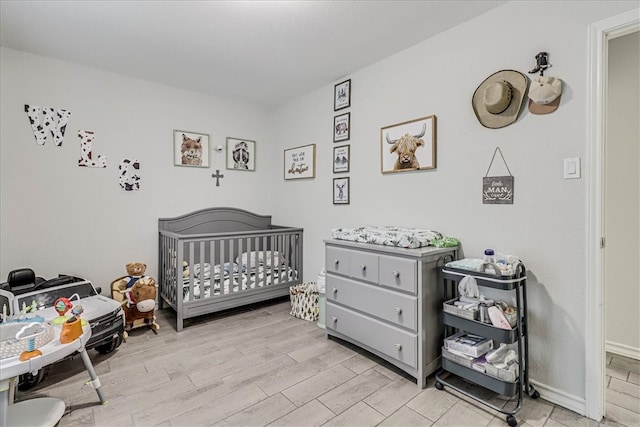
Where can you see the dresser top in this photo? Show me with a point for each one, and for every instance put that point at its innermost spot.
(391, 250)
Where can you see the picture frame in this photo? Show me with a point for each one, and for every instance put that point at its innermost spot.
(408, 146)
(241, 154)
(190, 149)
(342, 95)
(341, 158)
(341, 127)
(300, 162)
(341, 191)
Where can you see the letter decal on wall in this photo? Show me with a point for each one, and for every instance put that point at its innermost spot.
(129, 177)
(86, 138)
(52, 122)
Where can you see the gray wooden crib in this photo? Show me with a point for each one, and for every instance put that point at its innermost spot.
(219, 258)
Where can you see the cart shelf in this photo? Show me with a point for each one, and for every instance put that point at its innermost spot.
(516, 335)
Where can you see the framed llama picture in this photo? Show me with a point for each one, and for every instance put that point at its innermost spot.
(341, 191)
(341, 127)
(342, 95)
(300, 162)
(190, 149)
(341, 159)
(241, 154)
(408, 146)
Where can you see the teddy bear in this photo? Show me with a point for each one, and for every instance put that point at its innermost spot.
(138, 295)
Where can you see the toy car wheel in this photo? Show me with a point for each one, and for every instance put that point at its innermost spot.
(29, 380)
(110, 346)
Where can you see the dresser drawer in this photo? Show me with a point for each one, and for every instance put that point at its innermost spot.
(389, 340)
(363, 266)
(398, 273)
(337, 260)
(399, 309)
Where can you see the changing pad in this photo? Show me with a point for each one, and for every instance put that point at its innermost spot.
(394, 236)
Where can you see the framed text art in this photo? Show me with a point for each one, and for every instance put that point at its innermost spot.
(408, 146)
(342, 95)
(300, 162)
(341, 127)
(341, 191)
(241, 154)
(341, 159)
(190, 149)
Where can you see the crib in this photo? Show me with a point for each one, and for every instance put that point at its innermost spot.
(219, 258)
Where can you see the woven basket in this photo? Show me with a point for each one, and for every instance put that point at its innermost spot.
(11, 347)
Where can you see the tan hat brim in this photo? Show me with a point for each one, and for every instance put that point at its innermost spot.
(544, 108)
(519, 83)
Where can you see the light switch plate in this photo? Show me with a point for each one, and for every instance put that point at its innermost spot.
(572, 168)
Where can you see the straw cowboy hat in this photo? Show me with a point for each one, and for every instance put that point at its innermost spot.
(498, 99)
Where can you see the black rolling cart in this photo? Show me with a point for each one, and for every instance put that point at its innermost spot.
(456, 320)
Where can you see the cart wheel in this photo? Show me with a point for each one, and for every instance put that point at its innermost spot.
(532, 392)
(511, 420)
(439, 385)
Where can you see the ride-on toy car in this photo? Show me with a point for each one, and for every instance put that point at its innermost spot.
(104, 315)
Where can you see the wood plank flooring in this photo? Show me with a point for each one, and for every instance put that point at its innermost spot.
(258, 366)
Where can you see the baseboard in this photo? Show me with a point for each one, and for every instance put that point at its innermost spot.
(622, 350)
(558, 397)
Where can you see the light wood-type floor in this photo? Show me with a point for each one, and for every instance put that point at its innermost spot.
(259, 366)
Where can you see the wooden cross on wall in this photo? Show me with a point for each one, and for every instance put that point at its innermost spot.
(217, 176)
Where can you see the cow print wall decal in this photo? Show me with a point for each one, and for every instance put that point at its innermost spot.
(129, 176)
(86, 138)
(47, 122)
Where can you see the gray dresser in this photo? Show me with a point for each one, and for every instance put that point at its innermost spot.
(388, 301)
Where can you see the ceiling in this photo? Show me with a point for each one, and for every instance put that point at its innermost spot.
(261, 52)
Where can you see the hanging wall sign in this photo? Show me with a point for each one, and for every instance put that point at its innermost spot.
(497, 190)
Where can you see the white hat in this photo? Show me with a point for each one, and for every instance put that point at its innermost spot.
(544, 95)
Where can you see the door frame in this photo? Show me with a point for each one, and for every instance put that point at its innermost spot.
(599, 35)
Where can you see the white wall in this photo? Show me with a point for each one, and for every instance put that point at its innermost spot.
(546, 226)
(57, 217)
(622, 193)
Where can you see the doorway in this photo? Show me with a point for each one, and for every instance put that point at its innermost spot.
(599, 36)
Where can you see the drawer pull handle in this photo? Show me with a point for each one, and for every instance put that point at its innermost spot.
(363, 267)
(335, 290)
(398, 310)
(395, 274)
(336, 261)
(334, 319)
(398, 347)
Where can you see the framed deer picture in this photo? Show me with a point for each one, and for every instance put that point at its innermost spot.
(408, 146)
(341, 191)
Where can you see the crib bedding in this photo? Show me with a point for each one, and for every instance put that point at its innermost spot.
(227, 280)
(394, 236)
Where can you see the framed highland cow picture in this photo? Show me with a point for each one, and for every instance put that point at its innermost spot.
(241, 154)
(190, 149)
(408, 146)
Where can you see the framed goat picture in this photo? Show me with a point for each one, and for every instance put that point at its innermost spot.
(341, 191)
(300, 162)
(341, 159)
(342, 95)
(241, 154)
(341, 127)
(190, 149)
(408, 146)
